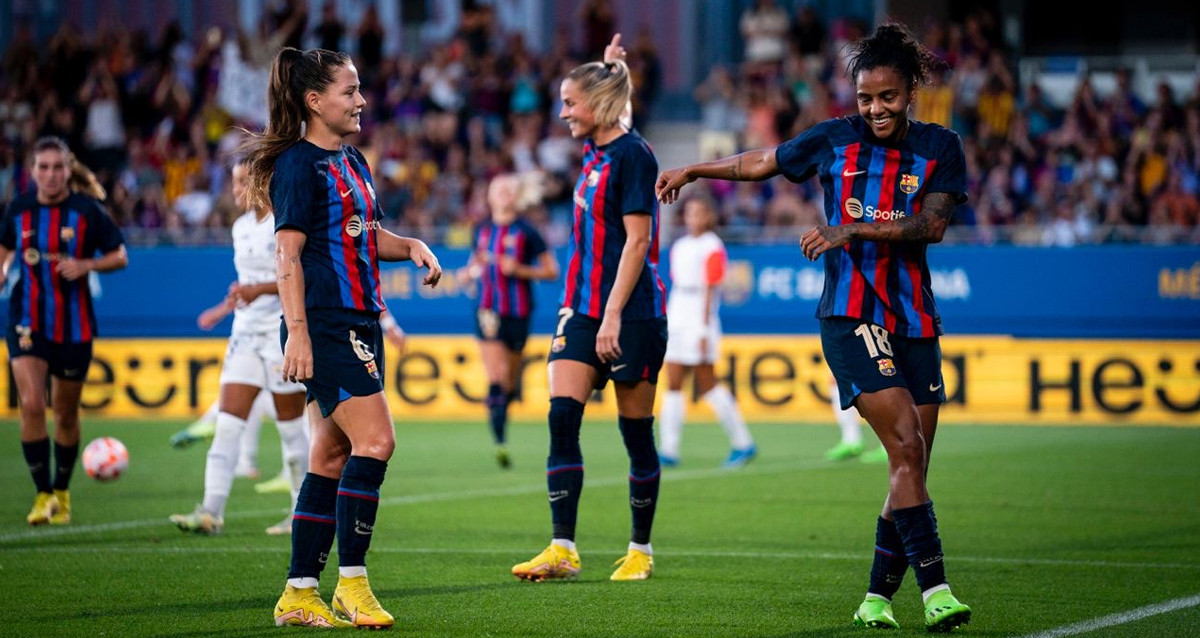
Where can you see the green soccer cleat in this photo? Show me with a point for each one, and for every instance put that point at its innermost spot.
(844, 451)
(199, 522)
(943, 613)
(877, 455)
(875, 613)
(502, 457)
(277, 485)
(194, 433)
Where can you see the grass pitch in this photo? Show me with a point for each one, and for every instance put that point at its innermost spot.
(1042, 528)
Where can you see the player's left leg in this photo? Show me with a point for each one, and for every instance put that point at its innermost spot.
(293, 435)
(671, 415)
(495, 365)
(64, 397)
(367, 423)
(724, 405)
(247, 461)
(635, 406)
(29, 374)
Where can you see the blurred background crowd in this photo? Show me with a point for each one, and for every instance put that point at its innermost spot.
(144, 111)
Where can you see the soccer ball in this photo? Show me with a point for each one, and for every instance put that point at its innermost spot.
(105, 458)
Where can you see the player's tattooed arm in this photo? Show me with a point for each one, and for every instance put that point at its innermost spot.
(753, 166)
(926, 228)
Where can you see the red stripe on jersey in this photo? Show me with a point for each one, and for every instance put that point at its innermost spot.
(653, 254)
(35, 292)
(54, 247)
(372, 240)
(349, 254)
(598, 234)
(503, 302)
(577, 258)
(857, 282)
(887, 195)
(486, 274)
(85, 299)
(522, 287)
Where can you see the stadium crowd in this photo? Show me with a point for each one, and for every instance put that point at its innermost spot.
(143, 112)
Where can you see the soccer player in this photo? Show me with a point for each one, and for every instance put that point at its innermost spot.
(612, 323)
(694, 336)
(891, 185)
(54, 234)
(508, 255)
(253, 363)
(328, 244)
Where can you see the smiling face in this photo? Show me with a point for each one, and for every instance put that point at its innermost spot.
(883, 97)
(502, 198)
(575, 110)
(51, 174)
(239, 183)
(340, 105)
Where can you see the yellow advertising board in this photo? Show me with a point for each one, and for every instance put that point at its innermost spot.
(776, 378)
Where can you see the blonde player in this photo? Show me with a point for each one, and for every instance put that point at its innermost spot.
(694, 336)
(253, 362)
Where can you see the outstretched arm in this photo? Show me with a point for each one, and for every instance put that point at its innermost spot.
(751, 166)
(393, 247)
(925, 228)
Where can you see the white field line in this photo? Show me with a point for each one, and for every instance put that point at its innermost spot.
(1122, 618)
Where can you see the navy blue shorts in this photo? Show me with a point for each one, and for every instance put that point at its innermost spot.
(643, 346)
(347, 356)
(69, 361)
(866, 358)
(513, 332)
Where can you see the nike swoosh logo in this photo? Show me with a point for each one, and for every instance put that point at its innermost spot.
(616, 368)
(557, 498)
(345, 193)
(934, 388)
(849, 174)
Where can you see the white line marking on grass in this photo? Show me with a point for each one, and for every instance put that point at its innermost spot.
(432, 497)
(1125, 617)
(683, 553)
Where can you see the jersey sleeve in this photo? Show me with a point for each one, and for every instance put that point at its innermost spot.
(638, 171)
(108, 236)
(950, 173)
(799, 157)
(292, 196)
(8, 234)
(714, 266)
(534, 245)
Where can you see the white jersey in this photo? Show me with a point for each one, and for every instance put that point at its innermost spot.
(696, 264)
(254, 258)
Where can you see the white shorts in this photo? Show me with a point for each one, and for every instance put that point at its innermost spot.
(683, 344)
(256, 359)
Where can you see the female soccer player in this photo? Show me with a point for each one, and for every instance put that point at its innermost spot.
(694, 336)
(509, 254)
(253, 362)
(55, 232)
(891, 185)
(612, 323)
(328, 243)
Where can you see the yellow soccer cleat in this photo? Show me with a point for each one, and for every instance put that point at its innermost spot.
(63, 515)
(44, 508)
(200, 522)
(304, 608)
(354, 599)
(636, 565)
(554, 563)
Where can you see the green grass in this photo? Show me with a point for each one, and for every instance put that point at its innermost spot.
(1042, 527)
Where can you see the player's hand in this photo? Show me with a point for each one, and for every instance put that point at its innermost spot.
(822, 238)
(670, 182)
(72, 269)
(508, 265)
(608, 346)
(397, 338)
(214, 315)
(243, 295)
(614, 51)
(422, 257)
(297, 356)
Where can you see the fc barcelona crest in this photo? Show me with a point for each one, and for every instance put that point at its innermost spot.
(909, 183)
(887, 368)
(67, 233)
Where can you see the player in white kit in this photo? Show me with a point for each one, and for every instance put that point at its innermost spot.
(253, 362)
(694, 336)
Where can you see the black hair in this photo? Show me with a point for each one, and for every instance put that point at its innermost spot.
(893, 46)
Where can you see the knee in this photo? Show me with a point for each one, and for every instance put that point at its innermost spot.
(66, 419)
(378, 445)
(908, 451)
(33, 408)
(327, 463)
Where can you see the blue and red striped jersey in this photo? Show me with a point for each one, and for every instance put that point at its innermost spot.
(617, 180)
(868, 180)
(330, 197)
(507, 296)
(41, 236)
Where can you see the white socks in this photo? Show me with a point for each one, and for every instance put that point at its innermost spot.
(645, 549)
(352, 572)
(302, 583)
(263, 405)
(293, 436)
(670, 423)
(848, 421)
(933, 590)
(562, 542)
(721, 400)
(222, 455)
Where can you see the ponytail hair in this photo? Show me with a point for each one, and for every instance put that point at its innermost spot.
(293, 74)
(82, 179)
(893, 46)
(607, 87)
